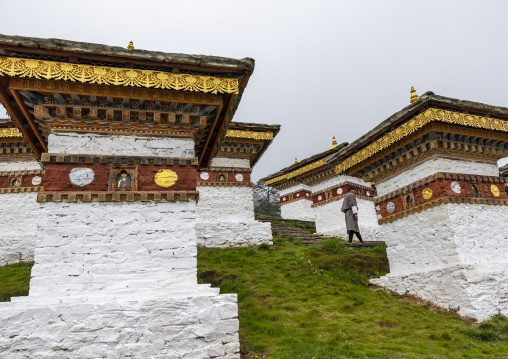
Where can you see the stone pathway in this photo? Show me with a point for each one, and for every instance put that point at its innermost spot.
(292, 228)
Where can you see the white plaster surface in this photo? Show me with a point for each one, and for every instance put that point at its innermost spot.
(92, 144)
(28, 165)
(190, 327)
(300, 210)
(433, 166)
(18, 223)
(455, 255)
(298, 187)
(230, 162)
(117, 280)
(331, 221)
(337, 181)
(225, 218)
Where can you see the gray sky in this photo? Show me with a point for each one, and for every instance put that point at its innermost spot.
(323, 68)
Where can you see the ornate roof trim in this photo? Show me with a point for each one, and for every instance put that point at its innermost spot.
(115, 76)
(417, 122)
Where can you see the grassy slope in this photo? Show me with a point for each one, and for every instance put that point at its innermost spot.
(300, 302)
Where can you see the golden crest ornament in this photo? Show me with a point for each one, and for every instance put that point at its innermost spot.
(495, 190)
(427, 193)
(166, 178)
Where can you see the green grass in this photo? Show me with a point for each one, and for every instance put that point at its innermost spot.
(304, 302)
(14, 280)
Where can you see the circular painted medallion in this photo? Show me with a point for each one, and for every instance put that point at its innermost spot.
(456, 187)
(427, 193)
(368, 193)
(283, 198)
(166, 178)
(319, 198)
(204, 176)
(298, 195)
(36, 180)
(390, 207)
(81, 176)
(239, 177)
(339, 191)
(307, 194)
(495, 190)
(378, 208)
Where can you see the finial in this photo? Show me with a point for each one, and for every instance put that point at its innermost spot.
(414, 96)
(131, 45)
(296, 161)
(334, 143)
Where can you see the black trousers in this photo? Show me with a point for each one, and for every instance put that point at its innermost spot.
(358, 235)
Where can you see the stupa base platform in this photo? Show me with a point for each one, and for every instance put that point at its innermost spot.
(197, 326)
(476, 291)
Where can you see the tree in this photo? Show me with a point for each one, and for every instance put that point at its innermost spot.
(266, 199)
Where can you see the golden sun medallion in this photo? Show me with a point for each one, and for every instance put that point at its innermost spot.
(427, 193)
(166, 178)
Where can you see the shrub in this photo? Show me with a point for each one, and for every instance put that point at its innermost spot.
(332, 246)
(264, 247)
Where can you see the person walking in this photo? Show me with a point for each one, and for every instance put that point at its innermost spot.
(350, 209)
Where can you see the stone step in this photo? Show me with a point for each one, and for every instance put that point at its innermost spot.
(286, 228)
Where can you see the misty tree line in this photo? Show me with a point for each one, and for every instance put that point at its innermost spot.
(266, 200)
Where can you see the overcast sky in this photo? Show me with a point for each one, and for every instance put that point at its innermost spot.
(323, 68)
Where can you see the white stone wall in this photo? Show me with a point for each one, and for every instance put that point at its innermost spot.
(18, 224)
(230, 162)
(433, 166)
(92, 144)
(118, 280)
(298, 187)
(455, 255)
(28, 165)
(337, 181)
(225, 218)
(331, 221)
(189, 327)
(300, 210)
(94, 246)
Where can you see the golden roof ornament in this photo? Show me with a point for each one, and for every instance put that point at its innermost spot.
(296, 161)
(414, 96)
(334, 143)
(131, 45)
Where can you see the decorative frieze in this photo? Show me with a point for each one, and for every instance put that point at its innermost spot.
(338, 192)
(224, 177)
(21, 181)
(109, 196)
(295, 196)
(131, 160)
(115, 177)
(439, 189)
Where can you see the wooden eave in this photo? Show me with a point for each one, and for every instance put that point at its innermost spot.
(103, 55)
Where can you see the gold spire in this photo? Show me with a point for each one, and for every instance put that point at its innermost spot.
(334, 143)
(296, 161)
(131, 45)
(414, 96)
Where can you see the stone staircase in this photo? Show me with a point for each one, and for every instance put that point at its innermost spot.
(292, 228)
(287, 228)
